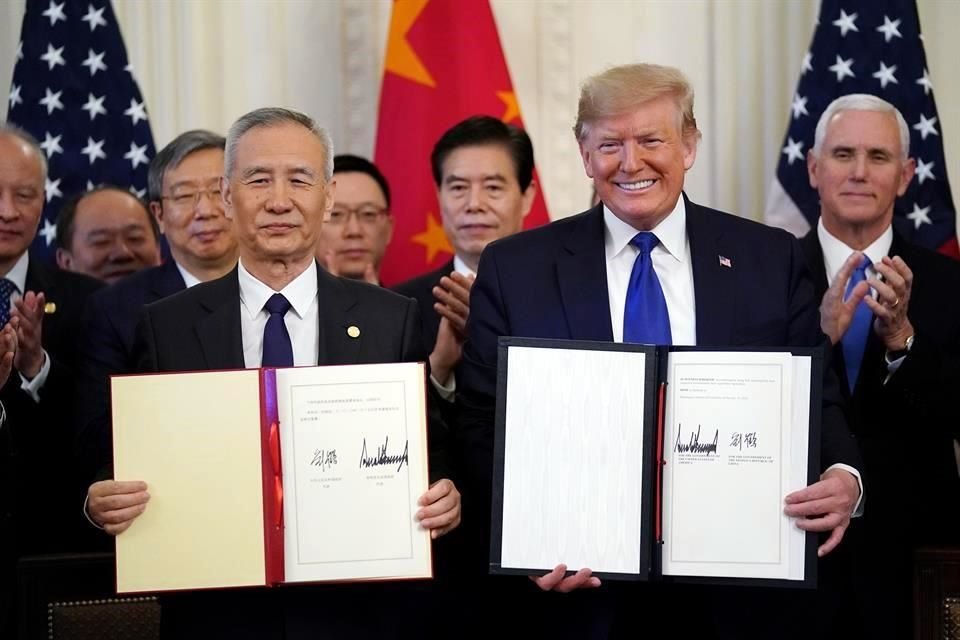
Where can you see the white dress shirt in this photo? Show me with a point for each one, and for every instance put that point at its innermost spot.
(671, 262)
(301, 320)
(461, 267)
(188, 278)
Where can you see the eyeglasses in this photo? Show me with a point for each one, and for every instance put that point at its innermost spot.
(192, 198)
(367, 215)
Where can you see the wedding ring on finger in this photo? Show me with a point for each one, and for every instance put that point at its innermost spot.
(895, 303)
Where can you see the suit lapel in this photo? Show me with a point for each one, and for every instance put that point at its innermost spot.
(336, 345)
(167, 282)
(582, 278)
(714, 283)
(219, 331)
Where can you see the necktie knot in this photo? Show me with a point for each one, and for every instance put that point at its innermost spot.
(865, 264)
(277, 304)
(645, 241)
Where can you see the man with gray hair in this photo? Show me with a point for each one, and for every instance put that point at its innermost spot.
(184, 199)
(648, 265)
(277, 308)
(43, 306)
(888, 309)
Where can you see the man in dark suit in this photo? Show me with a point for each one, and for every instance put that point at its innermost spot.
(724, 281)
(896, 338)
(184, 193)
(43, 305)
(278, 308)
(483, 169)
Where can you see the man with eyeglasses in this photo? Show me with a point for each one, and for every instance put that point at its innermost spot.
(359, 227)
(184, 193)
(106, 233)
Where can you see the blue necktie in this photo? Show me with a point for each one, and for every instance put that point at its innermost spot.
(277, 350)
(7, 289)
(855, 339)
(645, 316)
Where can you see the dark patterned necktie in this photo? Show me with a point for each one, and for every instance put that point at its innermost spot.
(277, 349)
(7, 289)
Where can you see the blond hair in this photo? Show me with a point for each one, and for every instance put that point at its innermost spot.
(619, 90)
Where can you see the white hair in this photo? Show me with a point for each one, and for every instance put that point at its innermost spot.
(272, 116)
(861, 102)
(10, 129)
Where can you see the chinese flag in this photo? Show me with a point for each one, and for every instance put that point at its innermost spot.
(444, 63)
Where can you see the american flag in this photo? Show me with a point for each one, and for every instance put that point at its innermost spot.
(868, 46)
(74, 90)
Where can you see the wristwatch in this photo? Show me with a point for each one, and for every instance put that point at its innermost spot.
(893, 356)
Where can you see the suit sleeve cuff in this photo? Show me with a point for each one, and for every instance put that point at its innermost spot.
(32, 387)
(858, 508)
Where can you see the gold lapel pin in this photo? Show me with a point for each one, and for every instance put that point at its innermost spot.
(50, 307)
(353, 331)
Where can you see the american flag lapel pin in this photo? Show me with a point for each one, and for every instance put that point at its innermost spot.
(725, 262)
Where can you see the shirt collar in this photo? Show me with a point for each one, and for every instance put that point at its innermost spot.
(836, 252)
(18, 273)
(300, 292)
(672, 232)
(188, 278)
(461, 267)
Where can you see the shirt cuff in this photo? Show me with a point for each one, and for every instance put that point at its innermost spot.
(892, 366)
(858, 508)
(86, 514)
(32, 387)
(446, 392)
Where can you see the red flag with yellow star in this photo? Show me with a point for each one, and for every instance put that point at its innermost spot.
(444, 63)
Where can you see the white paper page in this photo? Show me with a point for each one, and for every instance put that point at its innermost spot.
(354, 462)
(573, 460)
(729, 463)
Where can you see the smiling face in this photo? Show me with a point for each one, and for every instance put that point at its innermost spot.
(638, 160)
(277, 196)
(112, 237)
(480, 198)
(859, 174)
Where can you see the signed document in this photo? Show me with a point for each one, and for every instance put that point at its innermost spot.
(354, 465)
(643, 462)
(736, 434)
(262, 477)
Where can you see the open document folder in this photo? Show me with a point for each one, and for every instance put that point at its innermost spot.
(646, 463)
(260, 477)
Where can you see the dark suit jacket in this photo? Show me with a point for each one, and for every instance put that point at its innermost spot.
(906, 428)
(421, 290)
(200, 329)
(551, 282)
(36, 441)
(38, 483)
(109, 325)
